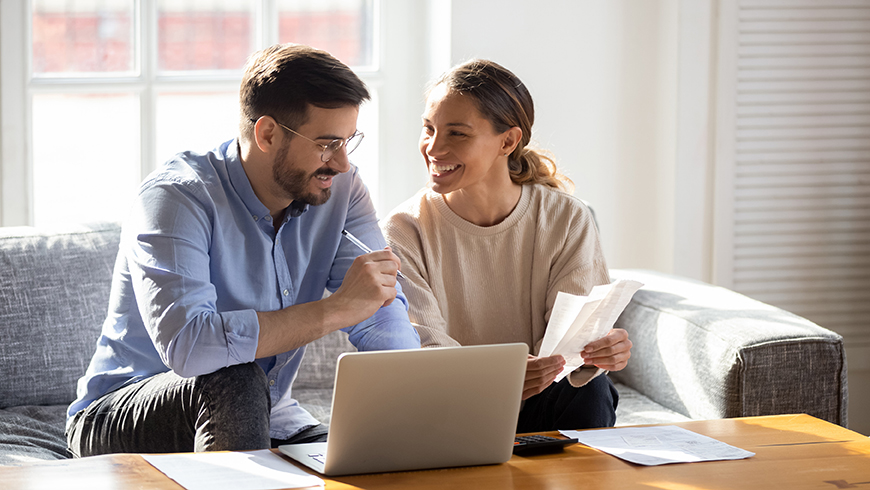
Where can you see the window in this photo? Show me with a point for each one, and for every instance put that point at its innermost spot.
(113, 88)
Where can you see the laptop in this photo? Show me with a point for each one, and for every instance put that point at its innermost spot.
(420, 409)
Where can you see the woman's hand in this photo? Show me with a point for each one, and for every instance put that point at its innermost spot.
(540, 373)
(610, 352)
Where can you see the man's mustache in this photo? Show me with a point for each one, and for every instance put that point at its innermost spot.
(326, 171)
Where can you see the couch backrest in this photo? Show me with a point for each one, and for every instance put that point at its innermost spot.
(54, 294)
(317, 370)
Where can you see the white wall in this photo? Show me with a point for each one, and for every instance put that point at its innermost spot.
(598, 70)
(400, 171)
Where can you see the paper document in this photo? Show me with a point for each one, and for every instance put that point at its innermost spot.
(577, 320)
(653, 446)
(250, 470)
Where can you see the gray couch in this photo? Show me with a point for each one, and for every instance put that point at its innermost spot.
(699, 351)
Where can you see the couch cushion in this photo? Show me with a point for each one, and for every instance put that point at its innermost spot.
(636, 409)
(32, 433)
(54, 292)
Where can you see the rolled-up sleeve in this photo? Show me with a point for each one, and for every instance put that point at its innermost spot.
(389, 327)
(169, 263)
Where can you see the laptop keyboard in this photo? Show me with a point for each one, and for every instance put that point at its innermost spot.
(319, 457)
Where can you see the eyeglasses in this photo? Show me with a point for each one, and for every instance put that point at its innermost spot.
(329, 149)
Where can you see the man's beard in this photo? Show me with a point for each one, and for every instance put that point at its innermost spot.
(295, 182)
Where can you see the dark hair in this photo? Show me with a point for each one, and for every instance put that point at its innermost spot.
(504, 100)
(282, 80)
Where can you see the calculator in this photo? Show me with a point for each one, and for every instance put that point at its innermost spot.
(540, 444)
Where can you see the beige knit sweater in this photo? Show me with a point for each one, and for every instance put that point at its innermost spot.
(471, 285)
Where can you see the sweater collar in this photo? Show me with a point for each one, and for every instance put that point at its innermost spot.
(468, 227)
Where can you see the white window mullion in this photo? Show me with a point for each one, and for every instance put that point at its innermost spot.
(266, 32)
(377, 37)
(15, 195)
(147, 56)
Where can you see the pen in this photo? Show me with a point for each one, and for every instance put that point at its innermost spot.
(362, 246)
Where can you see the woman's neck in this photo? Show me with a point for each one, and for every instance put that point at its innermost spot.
(485, 205)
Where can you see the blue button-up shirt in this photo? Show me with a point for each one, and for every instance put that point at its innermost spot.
(199, 256)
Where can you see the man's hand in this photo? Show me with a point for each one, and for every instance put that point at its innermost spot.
(540, 373)
(610, 352)
(369, 284)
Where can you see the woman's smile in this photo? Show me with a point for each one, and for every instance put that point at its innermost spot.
(442, 169)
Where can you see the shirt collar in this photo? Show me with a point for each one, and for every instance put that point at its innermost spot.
(296, 208)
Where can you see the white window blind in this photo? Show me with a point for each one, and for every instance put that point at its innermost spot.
(793, 159)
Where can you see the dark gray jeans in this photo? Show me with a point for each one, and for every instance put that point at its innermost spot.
(227, 410)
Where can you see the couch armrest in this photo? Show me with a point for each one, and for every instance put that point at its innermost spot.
(708, 352)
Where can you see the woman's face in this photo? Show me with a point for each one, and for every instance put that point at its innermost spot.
(460, 147)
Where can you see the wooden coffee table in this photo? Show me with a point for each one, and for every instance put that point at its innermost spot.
(792, 451)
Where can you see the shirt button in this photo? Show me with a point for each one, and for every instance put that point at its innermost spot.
(286, 293)
(271, 382)
(256, 218)
(268, 218)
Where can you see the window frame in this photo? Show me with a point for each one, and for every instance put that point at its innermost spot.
(17, 89)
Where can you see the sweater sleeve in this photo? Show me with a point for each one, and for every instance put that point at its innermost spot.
(404, 237)
(578, 268)
(580, 264)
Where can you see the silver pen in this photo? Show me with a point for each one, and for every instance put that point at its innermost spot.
(362, 246)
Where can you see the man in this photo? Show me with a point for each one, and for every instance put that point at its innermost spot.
(223, 262)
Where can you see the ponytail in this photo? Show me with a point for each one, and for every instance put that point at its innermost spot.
(531, 166)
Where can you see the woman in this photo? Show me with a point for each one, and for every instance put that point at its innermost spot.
(489, 243)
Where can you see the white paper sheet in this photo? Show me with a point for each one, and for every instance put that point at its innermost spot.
(653, 446)
(250, 470)
(577, 320)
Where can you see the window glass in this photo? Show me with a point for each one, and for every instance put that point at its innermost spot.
(85, 156)
(89, 124)
(202, 121)
(342, 27)
(195, 122)
(85, 38)
(204, 35)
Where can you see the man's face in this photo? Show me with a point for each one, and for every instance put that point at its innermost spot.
(298, 171)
